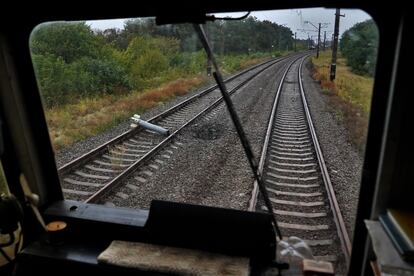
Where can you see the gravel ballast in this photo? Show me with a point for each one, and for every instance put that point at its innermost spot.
(208, 165)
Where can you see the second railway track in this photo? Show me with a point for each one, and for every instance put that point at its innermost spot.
(92, 175)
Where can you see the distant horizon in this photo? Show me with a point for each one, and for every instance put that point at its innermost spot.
(293, 18)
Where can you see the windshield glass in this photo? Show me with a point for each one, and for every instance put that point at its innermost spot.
(134, 113)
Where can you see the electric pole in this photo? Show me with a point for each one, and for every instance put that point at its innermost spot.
(332, 74)
(319, 34)
(324, 40)
(319, 41)
(295, 41)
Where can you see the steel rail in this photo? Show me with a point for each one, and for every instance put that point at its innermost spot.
(338, 218)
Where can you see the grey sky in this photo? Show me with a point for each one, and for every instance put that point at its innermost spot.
(292, 18)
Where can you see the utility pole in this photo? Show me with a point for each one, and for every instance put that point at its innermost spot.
(324, 40)
(295, 41)
(319, 41)
(319, 34)
(332, 74)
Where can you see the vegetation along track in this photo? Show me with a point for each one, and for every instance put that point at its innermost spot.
(296, 178)
(94, 174)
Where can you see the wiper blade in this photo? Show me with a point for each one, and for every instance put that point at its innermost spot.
(235, 118)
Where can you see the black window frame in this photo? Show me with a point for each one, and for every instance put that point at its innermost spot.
(26, 139)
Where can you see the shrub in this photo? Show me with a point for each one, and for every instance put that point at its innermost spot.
(106, 74)
(61, 83)
(359, 45)
(189, 62)
(147, 66)
(68, 41)
(52, 78)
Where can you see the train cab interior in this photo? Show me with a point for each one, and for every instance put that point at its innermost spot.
(30, 171)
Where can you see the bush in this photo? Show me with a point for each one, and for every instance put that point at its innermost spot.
(61, 83)
(147, 66)
(69, 41)
(73, 62)
(52, 78)
(190, 62)
(359, 45)
(107, 75)
(140, 45)
(230, 63)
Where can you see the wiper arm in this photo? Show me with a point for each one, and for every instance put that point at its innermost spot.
(235, 118)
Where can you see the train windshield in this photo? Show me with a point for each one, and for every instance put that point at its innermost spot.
(135, 113)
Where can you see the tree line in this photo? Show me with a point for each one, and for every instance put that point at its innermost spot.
(227, 37)
(71, 60)
(359, 45)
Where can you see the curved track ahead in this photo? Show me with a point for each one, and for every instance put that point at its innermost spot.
(291, 164)
(294, 172)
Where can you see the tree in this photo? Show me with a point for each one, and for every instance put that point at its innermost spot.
(71, 61)
(115, 37)
(69, 41)
(359, 45)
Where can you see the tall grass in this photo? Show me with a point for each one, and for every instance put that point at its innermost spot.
(350, 95)
(91, 116)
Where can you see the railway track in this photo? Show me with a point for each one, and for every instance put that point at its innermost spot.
(94, 174)
(291, 164)
(295, 175)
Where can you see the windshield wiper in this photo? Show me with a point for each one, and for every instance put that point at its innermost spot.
(235, 118)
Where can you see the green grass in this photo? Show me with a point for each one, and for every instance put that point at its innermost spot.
(350, 95)
(350, 87)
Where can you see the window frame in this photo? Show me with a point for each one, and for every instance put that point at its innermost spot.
(26, 139)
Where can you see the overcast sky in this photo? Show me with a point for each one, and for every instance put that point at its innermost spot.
(294, 19)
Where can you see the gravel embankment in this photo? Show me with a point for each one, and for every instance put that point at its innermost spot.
(209, 166)
(342, 158)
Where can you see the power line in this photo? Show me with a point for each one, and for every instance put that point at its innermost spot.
(320, 25)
